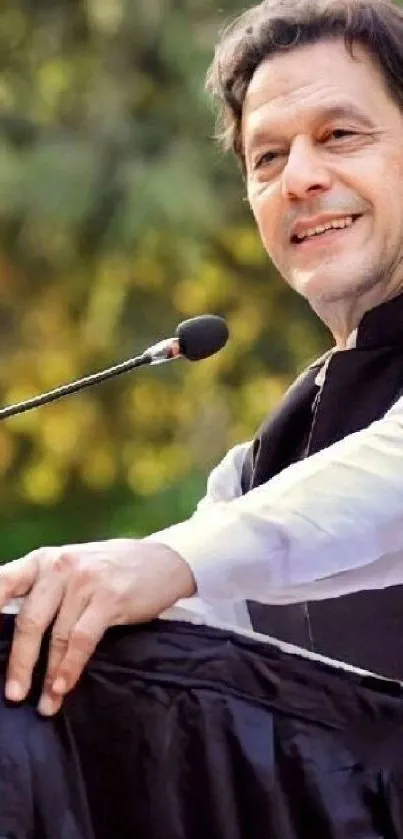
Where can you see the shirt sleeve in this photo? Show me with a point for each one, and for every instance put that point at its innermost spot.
(224, 482)
(328, 525)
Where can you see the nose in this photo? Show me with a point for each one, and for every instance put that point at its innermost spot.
(305, 174)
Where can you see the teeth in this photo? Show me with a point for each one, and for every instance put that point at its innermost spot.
(337, 224)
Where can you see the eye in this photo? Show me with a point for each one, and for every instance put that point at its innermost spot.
(341, 134)
(266, 159)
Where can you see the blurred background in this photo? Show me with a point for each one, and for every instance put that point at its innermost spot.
(119, 217)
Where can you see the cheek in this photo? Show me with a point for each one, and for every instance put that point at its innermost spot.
(390, 197)
(384, 193)
(380, 181)
(268, 215)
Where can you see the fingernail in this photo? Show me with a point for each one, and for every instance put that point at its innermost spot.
(59, 686)
(14, 691)
(47, 706)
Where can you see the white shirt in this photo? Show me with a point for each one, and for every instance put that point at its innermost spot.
(329, 525)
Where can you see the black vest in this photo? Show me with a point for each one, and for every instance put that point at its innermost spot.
(366, 628)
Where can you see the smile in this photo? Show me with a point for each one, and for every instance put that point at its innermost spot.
(323, 229)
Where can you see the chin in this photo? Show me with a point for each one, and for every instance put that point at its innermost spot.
(320, 290)
(326, 288)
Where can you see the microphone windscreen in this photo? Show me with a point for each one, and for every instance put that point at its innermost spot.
(202, 336)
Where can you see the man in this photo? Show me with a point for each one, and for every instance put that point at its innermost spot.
(317, 123)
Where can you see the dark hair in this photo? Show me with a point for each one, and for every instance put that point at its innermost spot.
(278, 25)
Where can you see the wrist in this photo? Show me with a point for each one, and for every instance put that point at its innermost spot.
(176, 572)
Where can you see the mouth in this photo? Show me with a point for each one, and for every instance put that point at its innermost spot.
(324, 233)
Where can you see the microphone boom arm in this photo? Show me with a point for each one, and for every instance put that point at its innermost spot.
(79, 384)
(195, 339)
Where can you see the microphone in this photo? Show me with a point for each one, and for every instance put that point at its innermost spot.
(195, 339)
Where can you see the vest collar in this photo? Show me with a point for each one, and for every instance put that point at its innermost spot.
(382, 326)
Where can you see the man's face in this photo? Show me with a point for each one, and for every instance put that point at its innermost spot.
(323, 144)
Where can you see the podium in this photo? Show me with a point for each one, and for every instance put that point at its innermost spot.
(181, 731)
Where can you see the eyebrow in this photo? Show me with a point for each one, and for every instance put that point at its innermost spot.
(263, 133)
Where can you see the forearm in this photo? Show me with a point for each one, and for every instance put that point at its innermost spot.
(325, 526)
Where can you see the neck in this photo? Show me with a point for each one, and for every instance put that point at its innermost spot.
(343, 316)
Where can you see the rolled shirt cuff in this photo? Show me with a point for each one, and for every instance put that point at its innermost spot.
(224, 555)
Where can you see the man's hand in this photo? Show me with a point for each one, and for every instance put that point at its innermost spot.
(85, 589)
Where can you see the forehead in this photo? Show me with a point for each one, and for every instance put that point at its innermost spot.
(296, 85)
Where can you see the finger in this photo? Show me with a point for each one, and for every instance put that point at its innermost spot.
(37, 613)
(83, 641)
(17, 577)
(72, 607)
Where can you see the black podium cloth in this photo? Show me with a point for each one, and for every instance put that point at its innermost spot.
(42, 794)
(178, 731)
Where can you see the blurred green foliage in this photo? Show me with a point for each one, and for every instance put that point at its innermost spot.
(118, 218)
